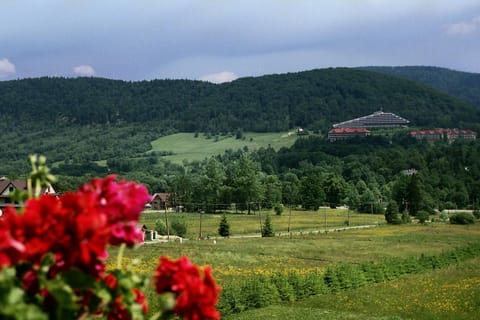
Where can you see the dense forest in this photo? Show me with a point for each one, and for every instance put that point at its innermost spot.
(92, 127)
(460, 84)
(311, 99)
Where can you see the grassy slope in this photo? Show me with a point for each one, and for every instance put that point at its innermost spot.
(186, 146)
(451, 293)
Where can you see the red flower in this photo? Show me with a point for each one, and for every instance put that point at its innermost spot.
(118, 311)
(121, 203)
(141, 299)
(196, 296)
(111, 281)
(30, 282)
(12, 248)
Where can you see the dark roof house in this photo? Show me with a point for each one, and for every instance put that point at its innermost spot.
(8, 186)
(160, 201)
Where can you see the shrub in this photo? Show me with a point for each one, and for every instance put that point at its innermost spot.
(285, 289)
(476, 213)
(160, 227)
(406, 217)
(179, 227)
(231, 300)
(462, 218)
(422, 216)
(443, 216)
(259, 292)
(392, 215)
(278, 209)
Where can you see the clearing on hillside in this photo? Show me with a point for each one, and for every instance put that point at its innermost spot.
(185, 146)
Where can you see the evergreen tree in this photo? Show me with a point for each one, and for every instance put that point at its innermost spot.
(267, 229)
(392, 215)
(414, 195)
(224, 227)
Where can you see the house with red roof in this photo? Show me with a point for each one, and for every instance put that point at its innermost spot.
(440, 134)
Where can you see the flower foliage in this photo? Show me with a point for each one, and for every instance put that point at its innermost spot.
(53, 252)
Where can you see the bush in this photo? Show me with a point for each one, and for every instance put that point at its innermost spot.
(178, 227)
(392, 215)
(462, 218)
(285, 289)
(443, 216)
(406, 217)
(259, 292)
(476, 213)
(278, 209)
(422, 216)
(160, 227)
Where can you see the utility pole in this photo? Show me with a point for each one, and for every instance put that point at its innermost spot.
(200, 228)
(289, 218)
(260, 221)
(325, 211)
(166, 222)
(348, 215)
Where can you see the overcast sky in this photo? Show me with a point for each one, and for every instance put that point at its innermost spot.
(220, 40)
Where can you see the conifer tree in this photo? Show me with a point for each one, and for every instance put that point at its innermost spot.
(224, 227)
(267, 230)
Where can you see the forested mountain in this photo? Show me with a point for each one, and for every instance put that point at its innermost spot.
(92, 127)
(460, 84)
(311, 99)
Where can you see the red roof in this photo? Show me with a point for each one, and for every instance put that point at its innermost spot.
(442, 131)
(349, 130)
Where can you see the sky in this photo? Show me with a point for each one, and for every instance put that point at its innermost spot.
(221, 40)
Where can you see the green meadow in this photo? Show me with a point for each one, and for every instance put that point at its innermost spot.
(425, 271)
(187, 146)
(242, 224)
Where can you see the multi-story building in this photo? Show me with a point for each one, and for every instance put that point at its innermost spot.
(377, 119)
(347, 133)
(440, 134)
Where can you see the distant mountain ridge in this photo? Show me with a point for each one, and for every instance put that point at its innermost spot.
(311, 99)
(456, 83)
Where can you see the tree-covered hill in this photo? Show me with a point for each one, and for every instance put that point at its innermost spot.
(460, 84)
(92, 127)
(311, 99)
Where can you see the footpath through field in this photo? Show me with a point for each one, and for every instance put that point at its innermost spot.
(305, 232)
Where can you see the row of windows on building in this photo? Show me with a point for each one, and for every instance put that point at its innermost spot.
(358, 128)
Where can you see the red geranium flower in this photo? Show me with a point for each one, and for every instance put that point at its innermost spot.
(196, 295)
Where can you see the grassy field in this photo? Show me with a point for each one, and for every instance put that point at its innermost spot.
(450, 293)
(243, 224)
(186, 146)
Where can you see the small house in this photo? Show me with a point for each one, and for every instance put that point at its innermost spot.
(7, 187)
(161, 201)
